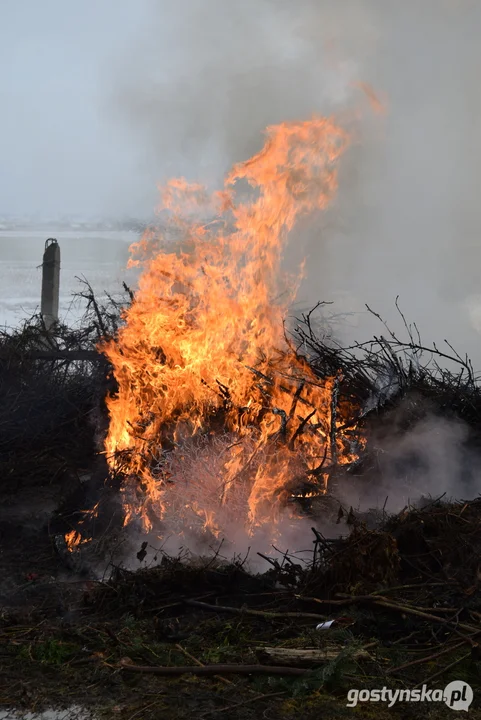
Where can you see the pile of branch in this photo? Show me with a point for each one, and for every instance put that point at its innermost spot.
(398, 606)
(399, 597)
(377, 373)
(52, 385)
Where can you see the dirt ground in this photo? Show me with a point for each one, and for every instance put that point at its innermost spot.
(65, 640)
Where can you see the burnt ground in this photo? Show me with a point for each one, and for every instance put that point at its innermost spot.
(412, 614)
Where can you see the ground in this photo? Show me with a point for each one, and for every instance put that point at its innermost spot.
(67, 640)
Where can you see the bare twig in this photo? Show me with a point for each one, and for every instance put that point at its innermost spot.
(244, 702)
(212, 669)
(384, 602)
(198, 663)
(443, 670)
(258, 613)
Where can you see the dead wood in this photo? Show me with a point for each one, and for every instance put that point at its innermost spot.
(304, 657)
(70, 355)
(199, 664)
(212, 669)
(384, 602)
(258, 613)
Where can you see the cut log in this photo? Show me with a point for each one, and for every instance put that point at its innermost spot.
(296, 657)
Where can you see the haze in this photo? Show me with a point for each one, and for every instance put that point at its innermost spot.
(59, 152)
(102, 99)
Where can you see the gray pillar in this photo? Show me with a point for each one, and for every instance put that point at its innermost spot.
(50, 282)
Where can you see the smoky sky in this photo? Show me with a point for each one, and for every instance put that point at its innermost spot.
(103, 99)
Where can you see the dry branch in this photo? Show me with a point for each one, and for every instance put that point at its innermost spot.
(212, 669)
(384, 602)
(70, 355)
(258, 613)
(199, 664)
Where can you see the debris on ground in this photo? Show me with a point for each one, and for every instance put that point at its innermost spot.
(390, 599)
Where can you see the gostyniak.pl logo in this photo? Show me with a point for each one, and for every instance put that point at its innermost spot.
(458, 695)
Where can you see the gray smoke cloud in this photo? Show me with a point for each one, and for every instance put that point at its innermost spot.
(406, 220)
(102, 101)
(433, 459)
(206, 78)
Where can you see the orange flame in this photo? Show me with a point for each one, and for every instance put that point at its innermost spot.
(215, 414)
(377, 105)
(74, 539)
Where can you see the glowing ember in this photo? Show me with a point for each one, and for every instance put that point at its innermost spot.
(92, 513)
(216, 416)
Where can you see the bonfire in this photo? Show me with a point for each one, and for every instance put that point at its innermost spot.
(216, 415)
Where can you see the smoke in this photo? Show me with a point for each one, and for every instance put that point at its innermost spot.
(205, 514)
(204, 80)
(434, 458)
(231, 71)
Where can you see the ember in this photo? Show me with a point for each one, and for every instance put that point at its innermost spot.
(216, 414)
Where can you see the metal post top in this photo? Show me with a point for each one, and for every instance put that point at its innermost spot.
(50, 241)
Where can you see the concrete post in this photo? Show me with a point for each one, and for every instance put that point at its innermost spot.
(50, 282)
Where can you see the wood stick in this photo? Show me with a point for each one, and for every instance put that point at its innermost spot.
(300, 429)
(199, 663)
(244, 702)
(349, 602)
(305, 598)
(428, 658)
(303, 657)
(444, 669)
(211, 669)
(332, 431)
(384, 602)
(417, 586)
(258, 613)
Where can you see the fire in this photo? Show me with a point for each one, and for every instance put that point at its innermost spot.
(216, 415)
(377, 105)
(74, 539)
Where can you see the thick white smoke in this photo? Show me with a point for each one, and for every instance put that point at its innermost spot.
(431, 460)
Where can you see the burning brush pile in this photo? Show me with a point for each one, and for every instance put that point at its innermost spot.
(221, 423)
(213, 426)
(217, 418)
